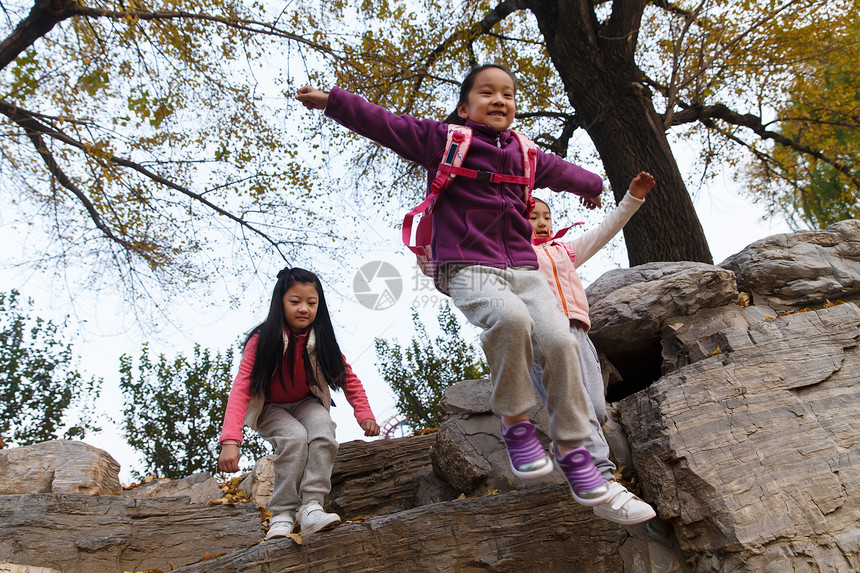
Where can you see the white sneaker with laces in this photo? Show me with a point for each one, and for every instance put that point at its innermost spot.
(312, 518)
(623, 507)
(280, 525)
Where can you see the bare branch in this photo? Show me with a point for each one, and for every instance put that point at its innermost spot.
(720, 111)
(36, 129)
(490, 19)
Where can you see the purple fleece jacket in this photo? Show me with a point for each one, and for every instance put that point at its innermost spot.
(474, 223)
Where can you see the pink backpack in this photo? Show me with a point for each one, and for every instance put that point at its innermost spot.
(456, 147)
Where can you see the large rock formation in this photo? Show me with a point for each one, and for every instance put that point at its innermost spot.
(737, 409)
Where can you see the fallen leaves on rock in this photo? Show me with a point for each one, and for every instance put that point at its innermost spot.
(826, 304)
(632, 485)
(145, 481)
(488, 492)
(232, 493)
(424, 431)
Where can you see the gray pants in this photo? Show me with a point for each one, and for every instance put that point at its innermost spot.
(521, 325)
(303, 435)
(592, 380)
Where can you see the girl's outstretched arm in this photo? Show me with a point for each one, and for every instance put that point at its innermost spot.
(312, 98)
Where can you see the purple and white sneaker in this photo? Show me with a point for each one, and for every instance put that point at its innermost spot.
(588, 486)
(528, 458)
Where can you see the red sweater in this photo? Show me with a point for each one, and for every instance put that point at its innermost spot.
(240, 395)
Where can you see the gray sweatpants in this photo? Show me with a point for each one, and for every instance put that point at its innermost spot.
(303, 435)
(521, 325)
(592, 380)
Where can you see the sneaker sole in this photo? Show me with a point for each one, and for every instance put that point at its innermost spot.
(633, 520)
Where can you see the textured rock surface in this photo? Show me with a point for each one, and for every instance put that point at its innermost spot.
(13, 568)
(749, 452)
(107, 534)
(541, 529)
(628, 306)
(799, 269)
(199, 488)
(59, 466)
(369, 478)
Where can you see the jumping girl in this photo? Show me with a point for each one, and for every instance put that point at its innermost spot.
(484, 259)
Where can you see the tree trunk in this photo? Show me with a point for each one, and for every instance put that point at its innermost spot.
(44, 15)
(596, 64)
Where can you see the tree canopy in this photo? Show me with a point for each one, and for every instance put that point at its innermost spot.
(419, 373)
(822, 113)
(173, 410)
(43, 396)
(138, 136)
(633, 75)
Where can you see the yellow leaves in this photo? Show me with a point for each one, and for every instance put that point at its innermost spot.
(743, 299)
(477, 495)
(825, 304)
(233, 495)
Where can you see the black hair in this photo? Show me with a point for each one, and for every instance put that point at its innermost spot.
(468, 84)
(270, 345)
(542, 201)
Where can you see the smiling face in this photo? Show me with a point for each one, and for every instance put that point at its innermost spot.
(541, 220)
(491, 100)
(300, 306)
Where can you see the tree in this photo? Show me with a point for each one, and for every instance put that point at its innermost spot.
(173, 412)
(138, 135)
(420, 373)
(41, 391)
(823, 113)
(630, 73)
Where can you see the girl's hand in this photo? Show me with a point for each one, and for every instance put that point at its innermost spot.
(228, 461)
(312, 98)
(590, 202)
(370, 427)
(425, 262)
(641, 185)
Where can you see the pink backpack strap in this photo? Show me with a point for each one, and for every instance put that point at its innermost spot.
(530, 150)
(457, 144)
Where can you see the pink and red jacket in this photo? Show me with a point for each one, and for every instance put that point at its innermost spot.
(243, 408)
(558, 262)
(474, 222)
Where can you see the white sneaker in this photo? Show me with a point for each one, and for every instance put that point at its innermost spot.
(312, 518)
(280, 525)
(624, 507)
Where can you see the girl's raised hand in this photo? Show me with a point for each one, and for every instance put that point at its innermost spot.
(312, 98)
(641, 185)
(370, 427)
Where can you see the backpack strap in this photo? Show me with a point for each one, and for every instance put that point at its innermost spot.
(529, 149)
(457, 144)
(527, 179)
